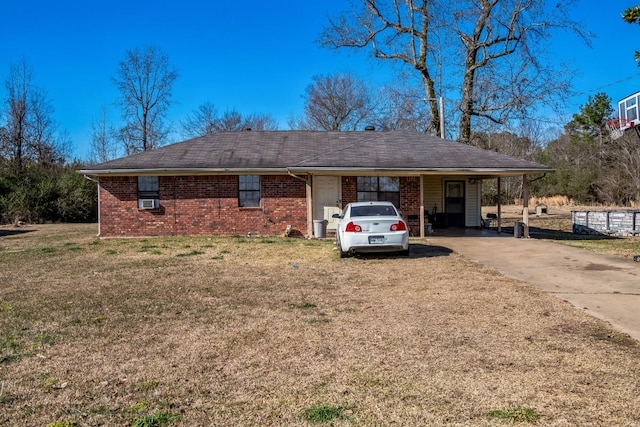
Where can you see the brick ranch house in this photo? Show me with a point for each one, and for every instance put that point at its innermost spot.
(264, 182)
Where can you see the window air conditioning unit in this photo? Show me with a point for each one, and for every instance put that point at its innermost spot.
(148, 203)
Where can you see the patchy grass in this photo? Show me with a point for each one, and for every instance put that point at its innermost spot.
(516, 414)
(112, 335)
(324, 413)
(65, 423)
(190, 253)
(303, 305)
(623, 247)
(147, 385)
(156, 419)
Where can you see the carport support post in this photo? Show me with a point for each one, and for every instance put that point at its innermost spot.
(499, 205)
(421, 207)
(525, 206)
(309, 207)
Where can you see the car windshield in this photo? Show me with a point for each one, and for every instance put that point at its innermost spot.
(373, 210)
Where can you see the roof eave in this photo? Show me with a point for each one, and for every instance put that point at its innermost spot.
(182, 171)
(478, 172)
(352, 171)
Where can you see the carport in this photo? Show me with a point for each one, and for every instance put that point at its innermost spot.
(475, 178)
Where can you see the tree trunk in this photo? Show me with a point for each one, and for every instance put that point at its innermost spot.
(466, 105)
(432, 99)
(145, 133)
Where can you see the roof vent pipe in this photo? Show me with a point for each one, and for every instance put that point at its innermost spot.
(370, 128)
(247, 129)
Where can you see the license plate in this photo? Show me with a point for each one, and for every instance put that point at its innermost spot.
(376, 240)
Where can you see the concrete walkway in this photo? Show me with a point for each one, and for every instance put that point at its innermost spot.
(604, 286)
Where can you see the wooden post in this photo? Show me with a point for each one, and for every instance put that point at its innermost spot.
(309, 208)
(499, 206)
(525, 206)
(422, 206)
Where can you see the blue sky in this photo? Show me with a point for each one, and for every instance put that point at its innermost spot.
(251, 56)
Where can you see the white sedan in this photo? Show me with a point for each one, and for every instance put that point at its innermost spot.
(371, 227)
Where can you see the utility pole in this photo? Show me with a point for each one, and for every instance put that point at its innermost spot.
(442, 117)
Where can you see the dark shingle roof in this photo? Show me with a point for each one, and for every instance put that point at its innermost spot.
(316, 151)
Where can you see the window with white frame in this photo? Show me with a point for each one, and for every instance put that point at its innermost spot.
(249, 191)
(632, 108)
(628, 108)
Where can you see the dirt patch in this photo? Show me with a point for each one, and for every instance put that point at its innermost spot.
(256, 331)
(602, 267)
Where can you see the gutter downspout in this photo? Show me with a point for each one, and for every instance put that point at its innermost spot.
(309, 198)
(98, 184)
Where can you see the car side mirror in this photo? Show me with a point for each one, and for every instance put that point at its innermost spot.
(337, 216)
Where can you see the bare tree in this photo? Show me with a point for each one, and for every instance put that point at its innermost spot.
(44, 136)
(234, 121)
(260, 122)
(402, 107)
(340, 102)
(18, 86)
(200, 121)
(4, 141)
(591, 168)
(491, 50)
(206, 120)
(145, 80)
(508, 143)
(103, 147)
(625, 162)
(30, 133)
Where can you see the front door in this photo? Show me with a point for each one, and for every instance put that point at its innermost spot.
(326, 199)
(454, 202)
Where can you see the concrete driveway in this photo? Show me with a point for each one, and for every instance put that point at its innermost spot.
(604, 286)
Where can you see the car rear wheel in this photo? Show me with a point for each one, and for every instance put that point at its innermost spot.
(343, 254)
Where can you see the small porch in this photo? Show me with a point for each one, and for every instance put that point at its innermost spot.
(428, 202)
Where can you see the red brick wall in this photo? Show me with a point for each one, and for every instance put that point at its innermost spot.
(349, 190)
(409, 197)
(410, 202)
(196, 205)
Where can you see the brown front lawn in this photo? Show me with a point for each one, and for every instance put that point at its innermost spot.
(281, 332)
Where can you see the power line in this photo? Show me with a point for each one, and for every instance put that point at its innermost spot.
(587, 92)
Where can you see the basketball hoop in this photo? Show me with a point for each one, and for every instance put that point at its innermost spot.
(617, 126)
